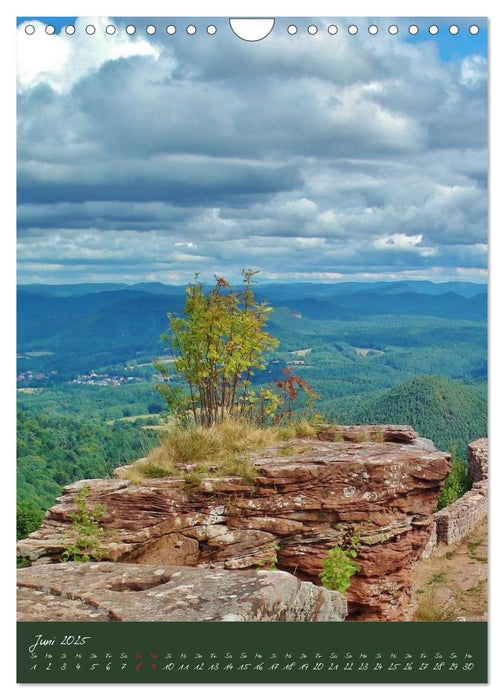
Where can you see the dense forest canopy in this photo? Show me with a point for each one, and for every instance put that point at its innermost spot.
(56, 450)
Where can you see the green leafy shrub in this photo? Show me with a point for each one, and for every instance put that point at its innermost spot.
(271, 563)
(339, 568)
(89, 535)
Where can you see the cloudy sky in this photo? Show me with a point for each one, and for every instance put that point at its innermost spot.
(326, 157)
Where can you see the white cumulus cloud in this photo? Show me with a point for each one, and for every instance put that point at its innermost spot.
(473, 71)
(62, 60)
(401, 242)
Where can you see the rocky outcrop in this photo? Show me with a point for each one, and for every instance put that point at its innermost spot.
(477, 457)
(378, 483)
(105, 591)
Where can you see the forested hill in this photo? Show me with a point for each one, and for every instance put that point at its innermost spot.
(56, 450)
(439, 408)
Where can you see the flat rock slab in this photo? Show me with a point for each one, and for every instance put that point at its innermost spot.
(104, 591)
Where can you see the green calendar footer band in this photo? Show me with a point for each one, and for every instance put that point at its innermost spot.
(252, 652)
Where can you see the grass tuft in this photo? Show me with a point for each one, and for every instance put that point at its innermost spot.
(300, 429)
(222, 450)
(430, 610)
(479, 588)
(225, 448)
(304, 429)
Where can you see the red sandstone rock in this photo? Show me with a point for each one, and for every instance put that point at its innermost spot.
(384, 491)
(362, 433)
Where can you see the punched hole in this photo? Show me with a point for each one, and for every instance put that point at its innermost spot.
(332, 29)
(312, 29)
(413, 29)
(150, 29)
(211, 29)
(110, 29)
(70, 29)
(29, 29)
(373, 29)
(130, 29)
(292, 29)
(474, 29)
(171, 29)
(252, 29)
(90, 29)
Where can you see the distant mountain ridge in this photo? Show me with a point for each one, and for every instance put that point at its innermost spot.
(47, 309)
(73, 328)
(278, 290)
(86, 288)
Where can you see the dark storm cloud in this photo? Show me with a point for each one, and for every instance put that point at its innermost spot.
(164, 154)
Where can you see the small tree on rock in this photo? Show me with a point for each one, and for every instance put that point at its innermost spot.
(218, 343)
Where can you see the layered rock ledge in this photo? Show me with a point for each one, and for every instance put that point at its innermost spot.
(105, 591)
(379, 482)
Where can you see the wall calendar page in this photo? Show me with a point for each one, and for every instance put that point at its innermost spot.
(252, 350)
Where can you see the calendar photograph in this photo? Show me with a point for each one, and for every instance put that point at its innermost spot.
(252, 349)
